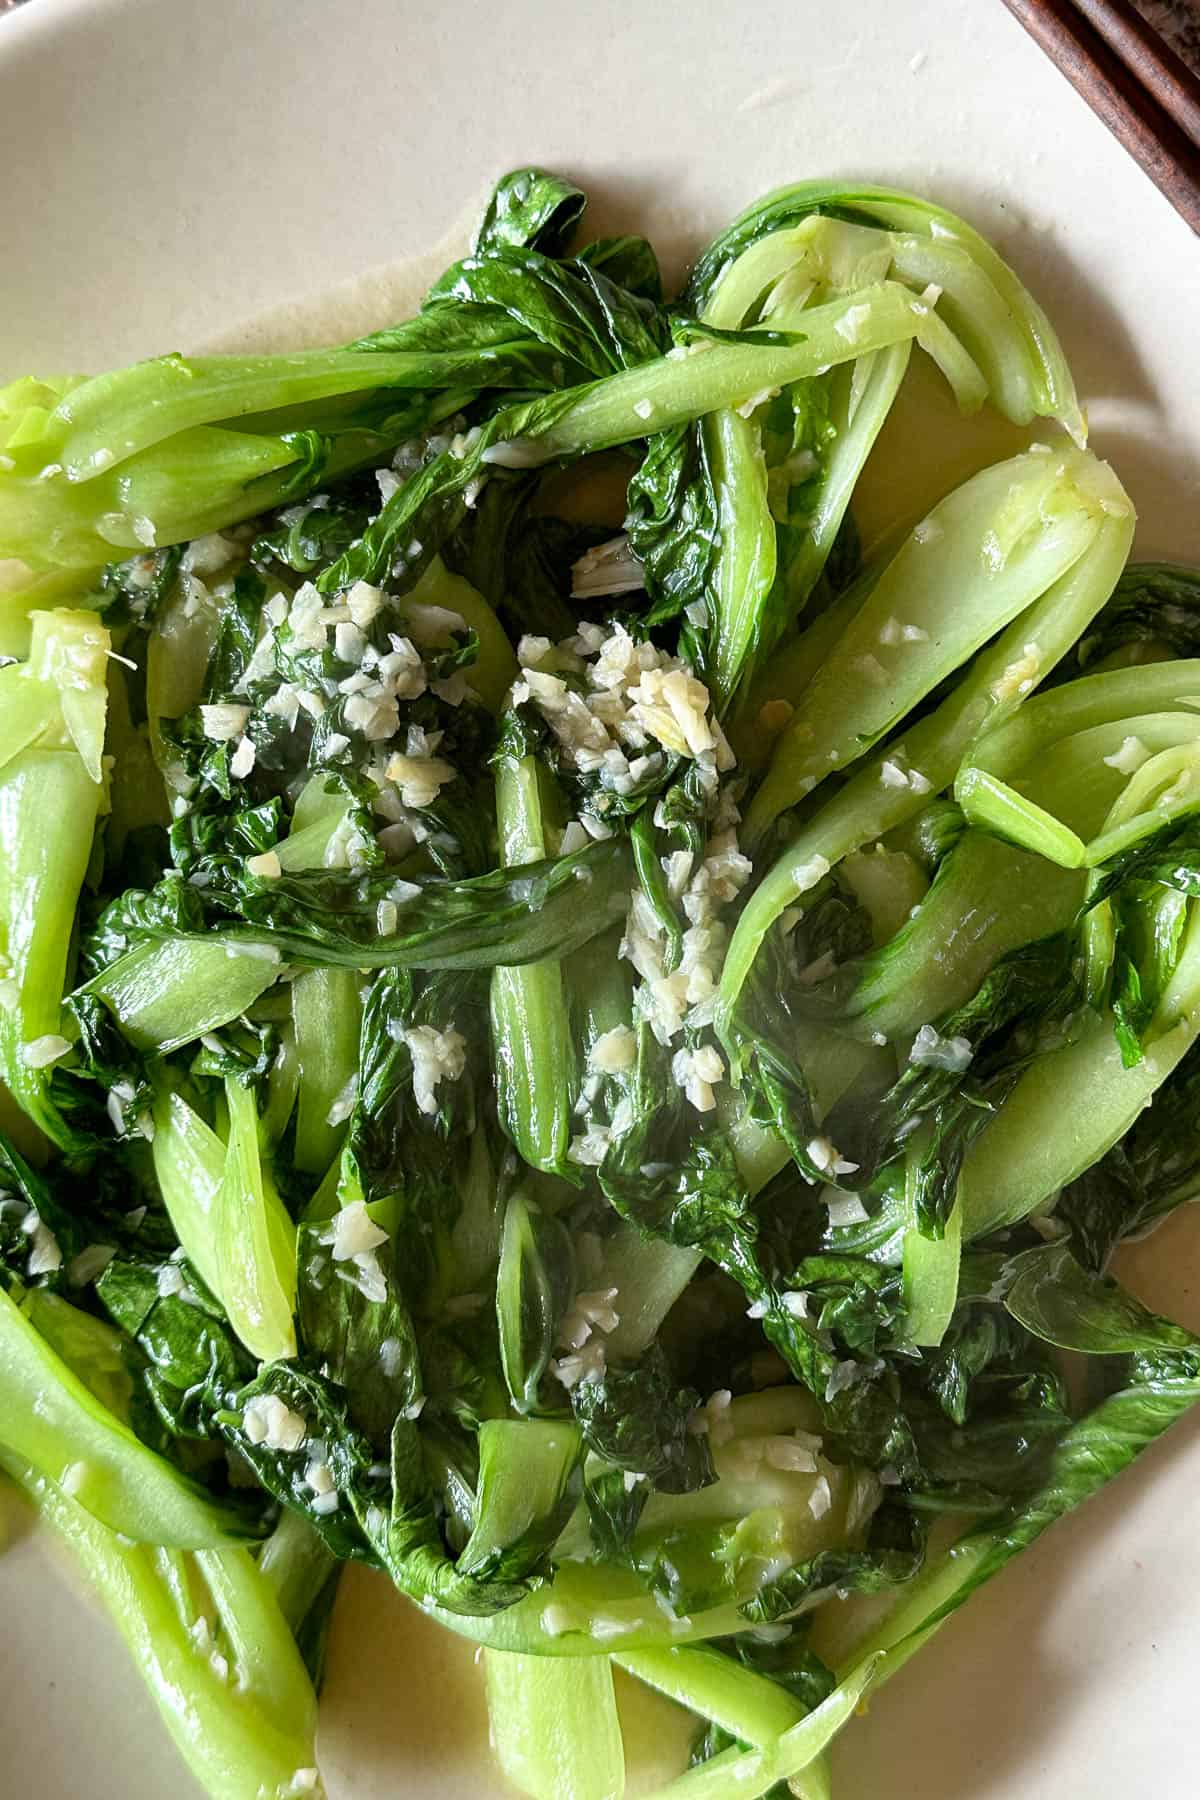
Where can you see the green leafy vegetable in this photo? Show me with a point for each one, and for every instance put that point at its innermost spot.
(573, 1032)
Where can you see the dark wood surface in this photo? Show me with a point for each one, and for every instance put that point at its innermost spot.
(1146, 95)
(1151, 58)
(1179, 22)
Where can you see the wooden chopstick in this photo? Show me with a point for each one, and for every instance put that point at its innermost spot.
(1144, 94)
(1157, 66)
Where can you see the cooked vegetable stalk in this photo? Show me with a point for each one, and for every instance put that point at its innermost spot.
(256, 1240)
(189, 1162)
(726, 1692)
(167, 994)
(297, 1567)
(1149, 714)
(327, 1014)
(981, 559)
(526, 1468)
(554, 1726)
(531, 1039)
(236, 1701)
(50, 1419)
(534, 1282)
(675, 389)
(871, 803)
(1075, 1103)
(762, 578)
(749, 1707)
(997, 319)
(48, 810)
(931, 1275)
(175, 448)
(747, 1774)
(988, 900)
(51, 793)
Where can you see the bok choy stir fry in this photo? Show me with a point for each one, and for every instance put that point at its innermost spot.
(594, 1069)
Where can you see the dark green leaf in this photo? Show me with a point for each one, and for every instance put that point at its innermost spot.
(328, 917)
(637, 1417)
(534, 1284)
(1063, 1304)
(893, 1554)
(531, 209)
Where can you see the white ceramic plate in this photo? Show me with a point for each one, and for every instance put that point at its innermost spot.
(170, 168)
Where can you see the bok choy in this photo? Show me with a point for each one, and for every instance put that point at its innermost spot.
(597, 1072)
